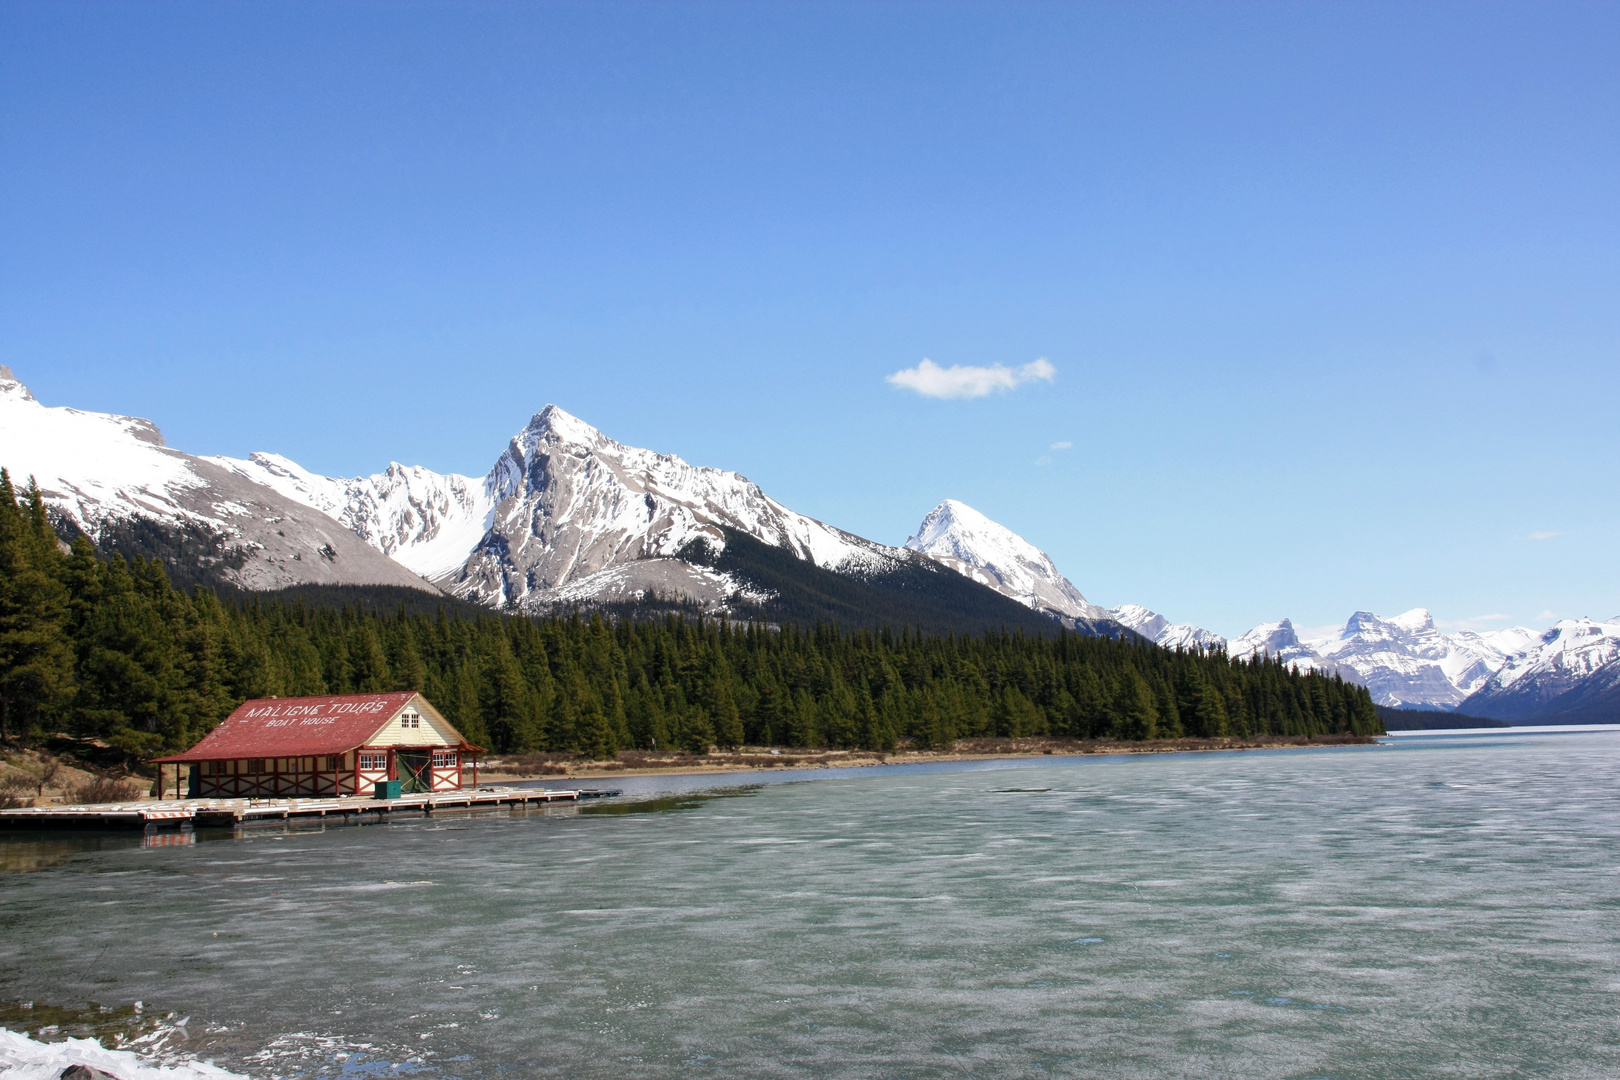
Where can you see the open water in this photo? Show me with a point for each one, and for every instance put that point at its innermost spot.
(1445, 906)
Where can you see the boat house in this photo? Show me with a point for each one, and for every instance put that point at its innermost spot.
(320, 747)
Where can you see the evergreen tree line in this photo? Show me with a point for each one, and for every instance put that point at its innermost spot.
(111, 650)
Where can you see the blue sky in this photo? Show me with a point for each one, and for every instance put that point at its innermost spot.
(1329, 294)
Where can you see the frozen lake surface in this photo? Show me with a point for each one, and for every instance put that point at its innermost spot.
(1443, 906)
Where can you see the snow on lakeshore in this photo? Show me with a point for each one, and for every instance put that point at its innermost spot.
(22, 1058)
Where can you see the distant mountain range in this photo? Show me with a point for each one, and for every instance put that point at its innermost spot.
(1568, 673)
(567, 518)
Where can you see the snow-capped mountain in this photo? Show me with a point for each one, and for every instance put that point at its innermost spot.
(95, 469)
(568, 516)
(565, 515)
(1281, 641)
(1161, 631)
(960, 537)
(428, 522)
(1405, 661)
(1571, 672)
(570, 503)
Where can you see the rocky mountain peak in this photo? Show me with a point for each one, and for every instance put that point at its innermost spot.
(1160, 630)
(10, 384)
(955, 534)
(1416, 621)
(555, 424)
(1271, 639)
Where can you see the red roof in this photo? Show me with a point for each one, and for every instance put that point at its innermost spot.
(288, 727)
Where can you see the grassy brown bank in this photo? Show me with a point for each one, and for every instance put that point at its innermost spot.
(644, 762)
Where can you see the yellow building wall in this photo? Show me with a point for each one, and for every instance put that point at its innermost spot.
(435, 730)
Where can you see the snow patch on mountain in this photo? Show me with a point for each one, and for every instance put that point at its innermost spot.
(1161, 631)
(99, 468)
(1280, 641)
(1575, 647)
(93, 466)
(633, 582)
(1574, 666)
(959, 536)
(427, 521)
(1406, 661)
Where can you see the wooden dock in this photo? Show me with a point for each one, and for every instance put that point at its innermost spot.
(150, 815)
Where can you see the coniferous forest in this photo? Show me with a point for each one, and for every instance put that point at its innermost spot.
(110, 650)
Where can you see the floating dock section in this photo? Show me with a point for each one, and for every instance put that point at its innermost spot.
(234, 813)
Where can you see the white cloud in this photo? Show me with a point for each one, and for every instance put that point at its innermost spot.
(1064, 445)
(1545, 615)
(1469, 624)
(1544, 535)
(962, 381)
(1043, 461)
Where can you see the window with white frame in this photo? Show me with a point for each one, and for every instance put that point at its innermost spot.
(410, 719)
(373, 762)
(444, 759)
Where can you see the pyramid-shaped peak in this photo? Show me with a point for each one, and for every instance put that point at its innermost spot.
(961, 511)
(954, 518)
(557, 421)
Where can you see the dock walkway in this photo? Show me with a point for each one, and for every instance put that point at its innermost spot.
(232, 813)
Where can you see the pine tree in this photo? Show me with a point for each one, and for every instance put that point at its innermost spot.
(36, 655)
(1136, 716)
(111, 650)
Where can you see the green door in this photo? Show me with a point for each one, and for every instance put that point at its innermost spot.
(415, 771)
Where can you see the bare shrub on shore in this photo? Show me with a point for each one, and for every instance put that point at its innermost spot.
(45, 773)
(536, 764)
(105, 789)
(34, 779)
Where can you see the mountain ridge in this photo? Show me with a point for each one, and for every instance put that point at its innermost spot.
(100, 470)
(567, 517)
(1405, 661)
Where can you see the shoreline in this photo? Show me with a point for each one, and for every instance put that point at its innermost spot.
(508, 770)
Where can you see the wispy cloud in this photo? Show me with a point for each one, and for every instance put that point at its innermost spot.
(1064, 445)
(1469, 624)
(1545, 615)
(964, 381)
(1544, 535)
(1043, 461)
